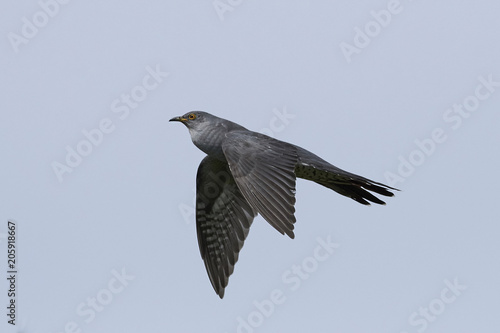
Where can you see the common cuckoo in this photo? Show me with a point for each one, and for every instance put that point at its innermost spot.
(246, 173)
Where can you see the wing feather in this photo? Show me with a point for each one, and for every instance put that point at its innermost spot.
(223, 219)
(263, 169)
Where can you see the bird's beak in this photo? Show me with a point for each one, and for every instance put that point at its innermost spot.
(182, 120)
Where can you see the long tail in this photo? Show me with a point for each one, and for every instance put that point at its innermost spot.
(357, 190)
(312, 167)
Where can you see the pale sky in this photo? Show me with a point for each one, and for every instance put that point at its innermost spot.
(101, 185)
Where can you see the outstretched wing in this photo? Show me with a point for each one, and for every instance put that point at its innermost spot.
(223, 219)
(264, 171)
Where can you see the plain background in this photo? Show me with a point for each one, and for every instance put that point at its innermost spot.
(127, 205)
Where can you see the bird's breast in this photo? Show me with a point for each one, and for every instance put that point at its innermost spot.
(209, 142)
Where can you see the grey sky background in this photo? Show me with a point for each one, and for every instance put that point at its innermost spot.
(414, 104)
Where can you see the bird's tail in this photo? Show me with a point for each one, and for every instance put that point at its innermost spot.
(312, 167)
(357, 189)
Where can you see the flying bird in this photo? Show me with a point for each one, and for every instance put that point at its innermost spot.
(246, 173)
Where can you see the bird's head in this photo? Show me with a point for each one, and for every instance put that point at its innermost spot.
(193, 120)
(205, 130)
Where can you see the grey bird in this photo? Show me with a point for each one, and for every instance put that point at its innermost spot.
(246, 173)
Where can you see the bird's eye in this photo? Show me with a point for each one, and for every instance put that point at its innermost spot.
(192, 116)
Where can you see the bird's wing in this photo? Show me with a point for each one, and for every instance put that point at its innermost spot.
(223, 218)
(264, 171)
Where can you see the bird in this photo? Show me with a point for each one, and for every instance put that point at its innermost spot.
(245, 173)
